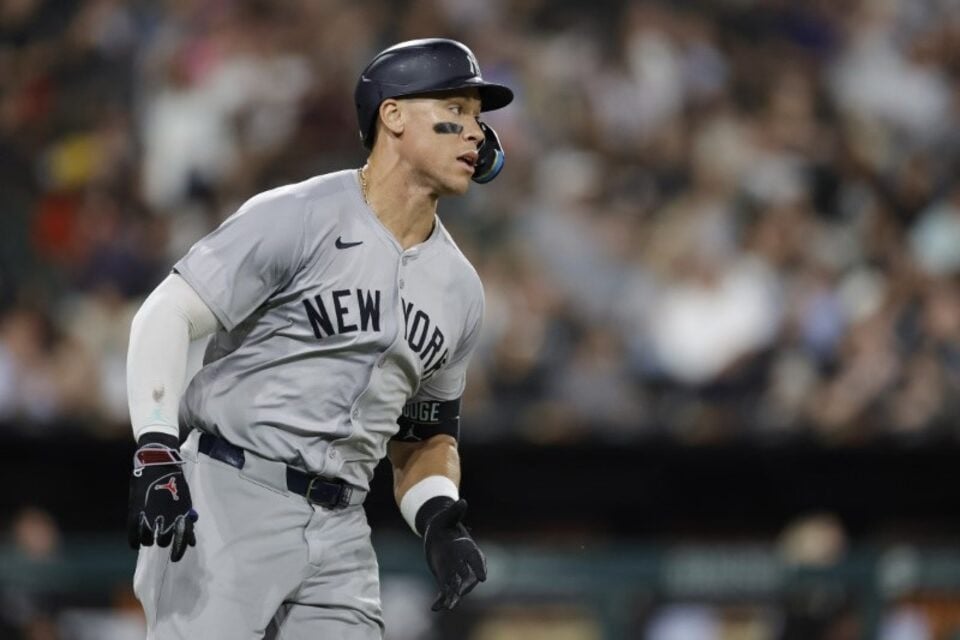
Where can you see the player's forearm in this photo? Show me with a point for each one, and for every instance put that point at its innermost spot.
(424, 473)
(160, 336)
(413, 462)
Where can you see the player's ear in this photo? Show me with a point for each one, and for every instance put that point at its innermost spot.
(392, 116)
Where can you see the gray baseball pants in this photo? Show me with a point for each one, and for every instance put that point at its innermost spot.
(268, 564)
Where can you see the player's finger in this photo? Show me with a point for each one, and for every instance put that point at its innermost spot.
(134, 515)
(469, 581)
(145, 532)
(448, 589)
(179, 542)
(452, 591)
(133, 532)
(445, 601)
(191, 536)
(164, 534)
(478, 564)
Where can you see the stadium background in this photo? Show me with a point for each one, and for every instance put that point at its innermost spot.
(716, 396)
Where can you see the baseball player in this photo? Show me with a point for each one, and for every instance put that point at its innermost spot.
(342, 317)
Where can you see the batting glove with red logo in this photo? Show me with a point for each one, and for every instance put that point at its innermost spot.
(160, 509)
(452, 555)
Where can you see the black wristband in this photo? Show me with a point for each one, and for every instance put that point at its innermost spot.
(430, 508)
(155, 437)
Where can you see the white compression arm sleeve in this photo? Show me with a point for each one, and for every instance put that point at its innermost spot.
(160, 336)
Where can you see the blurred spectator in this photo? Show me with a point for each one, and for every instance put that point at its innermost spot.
(817, 540)
(935, 237)
(26, 368)
(35, 534)
(905, 623)
(27, 608)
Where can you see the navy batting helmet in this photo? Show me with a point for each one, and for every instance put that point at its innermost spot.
(416, 67)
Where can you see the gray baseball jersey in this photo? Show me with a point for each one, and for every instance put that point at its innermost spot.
(328, 327)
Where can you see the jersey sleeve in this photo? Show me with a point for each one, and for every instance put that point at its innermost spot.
(252, 255)
(451, 380)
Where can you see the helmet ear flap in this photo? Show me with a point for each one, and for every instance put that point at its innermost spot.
(491, 156)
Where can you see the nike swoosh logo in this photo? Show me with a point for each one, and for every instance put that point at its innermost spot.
(346, 245)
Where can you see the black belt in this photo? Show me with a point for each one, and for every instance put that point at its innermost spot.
(326, 492)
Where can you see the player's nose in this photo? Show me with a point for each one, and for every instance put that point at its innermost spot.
(473, 132)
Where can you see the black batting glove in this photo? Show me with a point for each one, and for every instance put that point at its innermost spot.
(160, 509)
(452, 555)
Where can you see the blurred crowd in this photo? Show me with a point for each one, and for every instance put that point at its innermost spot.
(719, 221)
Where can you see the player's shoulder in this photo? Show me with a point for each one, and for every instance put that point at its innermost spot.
(299, 206)
(304, 193)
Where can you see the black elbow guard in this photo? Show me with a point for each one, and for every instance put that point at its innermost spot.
(427, 418)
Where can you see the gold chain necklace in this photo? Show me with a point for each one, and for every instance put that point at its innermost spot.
(363, 185)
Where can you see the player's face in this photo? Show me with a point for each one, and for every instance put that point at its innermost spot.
(441, 137)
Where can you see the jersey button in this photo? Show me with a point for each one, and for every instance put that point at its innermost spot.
(401, 283)
(356, 413)
(405, 260)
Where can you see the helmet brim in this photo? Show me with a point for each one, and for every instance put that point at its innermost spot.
(492, 96)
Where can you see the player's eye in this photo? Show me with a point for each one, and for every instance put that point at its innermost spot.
(456, 108)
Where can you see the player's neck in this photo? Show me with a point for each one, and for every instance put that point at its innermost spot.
(406, 209)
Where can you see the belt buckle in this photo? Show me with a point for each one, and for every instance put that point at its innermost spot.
(343, 495)
(310, 487)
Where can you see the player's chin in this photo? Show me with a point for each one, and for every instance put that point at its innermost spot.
(460, 187)
(456, 185)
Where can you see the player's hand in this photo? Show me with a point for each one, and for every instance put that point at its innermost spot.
(454, 558)
(160, 509)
